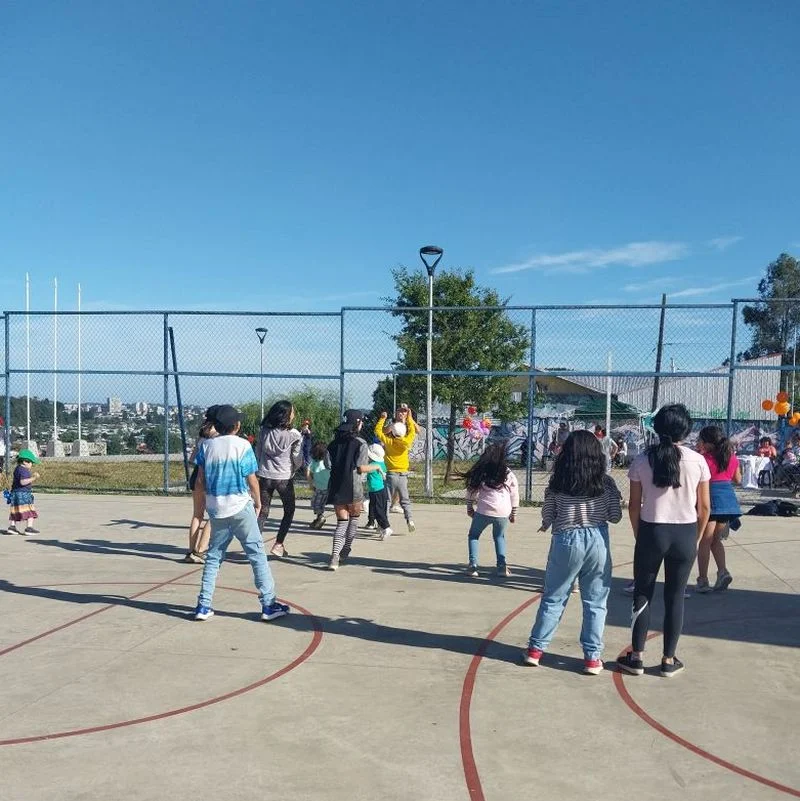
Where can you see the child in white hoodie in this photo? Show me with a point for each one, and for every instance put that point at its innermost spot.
(492, 499)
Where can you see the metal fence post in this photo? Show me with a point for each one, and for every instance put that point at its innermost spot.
(166, 403)
(7, 428)
(732, 367)
(531, 403)
(341, 363)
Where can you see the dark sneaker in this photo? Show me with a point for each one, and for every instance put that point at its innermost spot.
(628, 588)
(203, 613)
(669, 670)
(531, 657)
(30, 531)
(472, 571)
(344, 555)
(630, 664)
(274, 611)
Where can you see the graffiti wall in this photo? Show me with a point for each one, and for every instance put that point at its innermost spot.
(745, 436)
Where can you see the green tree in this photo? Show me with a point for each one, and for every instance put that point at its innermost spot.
(320, 407)
(481, 339)
(774, 323)
(114, 445)
(154, 440)
(130, 442)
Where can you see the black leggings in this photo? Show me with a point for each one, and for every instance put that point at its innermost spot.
(285, 489)
(674, 544)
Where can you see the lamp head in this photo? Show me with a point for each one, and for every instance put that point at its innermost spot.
(261, 333)
(431, 255)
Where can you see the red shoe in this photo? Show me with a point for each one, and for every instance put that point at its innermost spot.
(592, 667)
(532, 657)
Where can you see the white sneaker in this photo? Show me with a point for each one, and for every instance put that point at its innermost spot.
(333, 564)
(724, 579)
(411, 527)
(396, 509)
(386, 533)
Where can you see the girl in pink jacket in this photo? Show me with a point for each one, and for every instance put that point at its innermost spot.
(492, 499)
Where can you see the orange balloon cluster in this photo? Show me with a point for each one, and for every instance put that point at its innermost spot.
(781, 407)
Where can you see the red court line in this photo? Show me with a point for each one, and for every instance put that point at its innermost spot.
(63, 626)
(619, 683)
(471, 774)
(316, 639)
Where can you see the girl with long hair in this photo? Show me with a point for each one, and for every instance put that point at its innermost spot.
(279, 456)
(349, 461)
(669, 509)
(579, 503)
(725, 511)
(492, 500)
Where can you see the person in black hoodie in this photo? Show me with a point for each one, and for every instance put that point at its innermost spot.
(349, 461)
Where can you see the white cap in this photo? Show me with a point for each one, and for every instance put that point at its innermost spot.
(376, 452)
(398, 429)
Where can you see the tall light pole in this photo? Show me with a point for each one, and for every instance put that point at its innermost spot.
(395, 365)
(261, 333)
(431, 255)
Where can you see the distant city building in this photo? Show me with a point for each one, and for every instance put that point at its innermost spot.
(142, 408)
(70, 407)
(114, 407)
(160, 410)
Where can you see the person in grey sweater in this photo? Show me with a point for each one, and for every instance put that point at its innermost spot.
(279, 456)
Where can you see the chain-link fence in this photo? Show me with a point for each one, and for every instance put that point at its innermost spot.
(130, 388)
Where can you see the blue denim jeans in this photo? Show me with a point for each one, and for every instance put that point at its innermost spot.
(243, 526)
(479, 524)
(581, 553)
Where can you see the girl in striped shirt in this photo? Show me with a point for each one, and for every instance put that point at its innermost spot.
(579, 503)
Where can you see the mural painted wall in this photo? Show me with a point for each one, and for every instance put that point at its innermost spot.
(745, 436)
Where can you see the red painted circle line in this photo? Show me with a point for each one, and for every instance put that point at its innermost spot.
(471, 774)
(312, 646)
(619, 683)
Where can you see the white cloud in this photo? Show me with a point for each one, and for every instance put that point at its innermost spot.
(656, 283)
(723, 242)
(694, 291)
(634, 254)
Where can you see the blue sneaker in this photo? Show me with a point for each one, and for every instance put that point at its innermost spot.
(203, 612)
(273, 611)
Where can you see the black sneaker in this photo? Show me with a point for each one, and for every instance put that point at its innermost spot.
(344, 555)
(668, 671)
(630, 664)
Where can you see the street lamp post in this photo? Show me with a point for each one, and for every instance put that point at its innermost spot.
(261, 333)
(431, 255)
(395, 365)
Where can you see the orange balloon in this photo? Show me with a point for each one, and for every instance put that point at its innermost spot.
(782, 397)
(794, 419)
(767, 405)
(782, 408)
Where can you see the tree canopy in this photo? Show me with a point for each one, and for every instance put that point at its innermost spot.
(479, 339)
(774, 323)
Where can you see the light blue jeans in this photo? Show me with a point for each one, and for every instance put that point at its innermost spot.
(479, 524)
(243, 526)
(581, 553)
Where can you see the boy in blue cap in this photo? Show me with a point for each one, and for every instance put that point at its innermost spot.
(226, 480)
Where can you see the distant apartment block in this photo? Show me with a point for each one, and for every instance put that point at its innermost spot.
(114, 407)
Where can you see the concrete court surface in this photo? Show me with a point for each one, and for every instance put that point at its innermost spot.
(385, 688)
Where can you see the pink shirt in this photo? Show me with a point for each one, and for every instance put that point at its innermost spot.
(665, 504)
(716, 473)
(496, 502)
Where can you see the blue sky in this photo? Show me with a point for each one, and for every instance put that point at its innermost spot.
(267, 155)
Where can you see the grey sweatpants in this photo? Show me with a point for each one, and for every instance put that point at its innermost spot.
(398, 482)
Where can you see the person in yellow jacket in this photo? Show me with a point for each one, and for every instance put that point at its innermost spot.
(397, 438)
